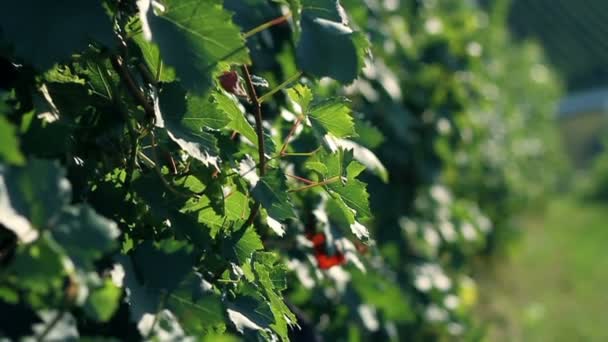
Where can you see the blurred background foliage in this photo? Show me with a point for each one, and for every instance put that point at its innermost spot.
(468, 119)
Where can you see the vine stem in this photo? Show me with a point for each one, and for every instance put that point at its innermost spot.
(260, 132)
(258, 118)
(127, 79)
(280, 86)
(325, 182)
(301, 179)
(289, 135)
(266, 25)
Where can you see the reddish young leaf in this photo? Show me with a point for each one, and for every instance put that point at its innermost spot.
(229, 80)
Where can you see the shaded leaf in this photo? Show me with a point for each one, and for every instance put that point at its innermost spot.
(271, 192)
(84, 235)
(240, 245)
(327, 45)
(32, 196)
(46, 32)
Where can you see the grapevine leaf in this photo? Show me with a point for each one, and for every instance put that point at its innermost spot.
(333, 117)
(278, 270)
(103, 301)
(38, 266)
(84, 235)
(248, 313)
(271, 192)
(164, 265)
(190, 227)
(350, 190)
(327, 45)
(197, 307)
(302, 95)
(56, 29)
(151, 54)
(241, 244)
(236, 115)
(31, 197)
(208, 216)
(9, 145)
(141, 299)
(192, 111)
(366, 157)
(354, 194)
(282, 315)
(339, 212)
(185, 119)
(193, 36)
(236, 210)
(237, 206)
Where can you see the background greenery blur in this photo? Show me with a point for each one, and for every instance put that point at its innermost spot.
(550, 285)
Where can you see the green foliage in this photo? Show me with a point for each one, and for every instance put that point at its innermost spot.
(143, 198)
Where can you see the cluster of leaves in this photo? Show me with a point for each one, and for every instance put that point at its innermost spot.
(194, 169)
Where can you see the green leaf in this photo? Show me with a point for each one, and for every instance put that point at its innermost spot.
(46, 32)
(332, 116)
(283, 317)
(103, 301)
(184, 224)
(278, 270)
(317, 167)
(238, 122)
(240, 245)
(194, 36)
(368, 159)
(197, 307)
(38, 266)
(187, 117)
(271, 192)
(354, 194)
(251, 313)
(192, 111)
(302, 95)
(151, 54)
(327, 46)
(350, 190)
(237, 206)
(208, 216)
(9, 145)
(84, 235)
(163, 265)
(31, 197)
